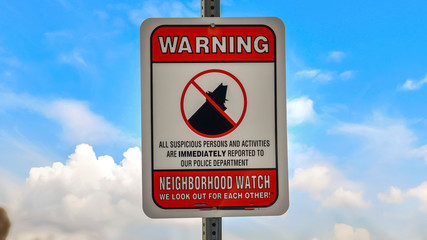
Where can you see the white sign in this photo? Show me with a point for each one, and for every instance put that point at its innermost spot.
(213, 117)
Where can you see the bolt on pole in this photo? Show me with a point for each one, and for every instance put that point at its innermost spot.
(211, 227)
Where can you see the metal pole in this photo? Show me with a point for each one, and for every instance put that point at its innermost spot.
(211, 227)
(211, 8)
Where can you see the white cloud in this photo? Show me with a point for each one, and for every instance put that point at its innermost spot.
(162, 9)
(89, 198)
(10, 187)
(313, 180)
(336, 56)
(24, 152)
(306, 157)
(307, 73)
(347, 75)
(420, 192)
(324, 76)
(414, 84)
(324, 180)
(300, 110)
(346, 232)
(316, 75)
(346, 198)
(397, 196)
(78, 122)
(380, 139)
(50, 233)
(321, 180)
(420, 152)
(74, 58)
(394, 196)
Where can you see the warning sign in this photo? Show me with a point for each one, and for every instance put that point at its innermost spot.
(213, 117)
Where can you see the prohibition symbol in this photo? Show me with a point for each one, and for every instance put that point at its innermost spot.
(213, 103)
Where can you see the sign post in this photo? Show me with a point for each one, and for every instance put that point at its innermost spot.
(213, 117)
(211, 227)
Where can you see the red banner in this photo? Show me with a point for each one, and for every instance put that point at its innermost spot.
(213, 43)
(207, 189)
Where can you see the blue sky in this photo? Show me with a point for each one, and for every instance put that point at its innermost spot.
(356, 93)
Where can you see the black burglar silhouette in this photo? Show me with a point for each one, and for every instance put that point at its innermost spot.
(207, 119)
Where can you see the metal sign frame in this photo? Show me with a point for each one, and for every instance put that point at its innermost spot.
(151, 79)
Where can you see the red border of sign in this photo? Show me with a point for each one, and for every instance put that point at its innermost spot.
(235, 125)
